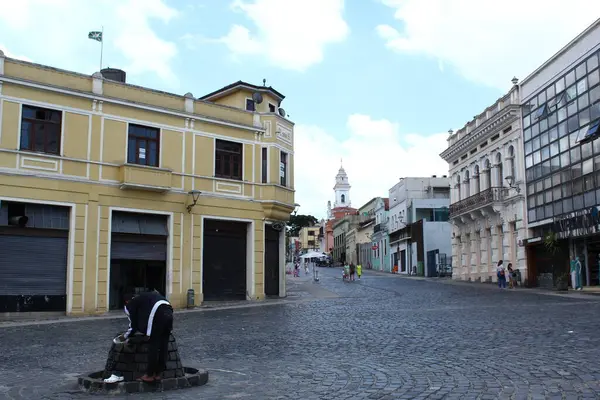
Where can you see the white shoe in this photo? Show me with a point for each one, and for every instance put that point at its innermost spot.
(114, 378)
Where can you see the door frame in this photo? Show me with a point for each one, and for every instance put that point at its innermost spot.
(169, 262)
(282, 252)
(71, 243)
(250, 257)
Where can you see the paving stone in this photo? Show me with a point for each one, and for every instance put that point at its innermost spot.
(381, 337)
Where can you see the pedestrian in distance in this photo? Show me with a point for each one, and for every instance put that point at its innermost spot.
(352, 271)
(151, 313)
(511, 276)
(359, 271)
(501, 273)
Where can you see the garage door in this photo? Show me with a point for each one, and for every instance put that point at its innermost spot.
(224, 260)
(138, 247)
(33, 272)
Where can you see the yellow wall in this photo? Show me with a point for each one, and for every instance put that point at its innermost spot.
(91, 173)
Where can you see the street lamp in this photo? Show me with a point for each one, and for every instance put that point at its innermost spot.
(195, 195)
(511, 183)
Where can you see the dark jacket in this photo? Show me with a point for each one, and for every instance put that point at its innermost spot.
(141, 310)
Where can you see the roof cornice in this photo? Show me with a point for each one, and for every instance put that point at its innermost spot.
(492, 126)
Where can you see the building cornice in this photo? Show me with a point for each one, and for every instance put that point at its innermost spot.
(473, 139)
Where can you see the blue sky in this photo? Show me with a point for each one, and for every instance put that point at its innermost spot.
(375, 82)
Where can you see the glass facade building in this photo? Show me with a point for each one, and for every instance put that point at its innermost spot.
(562, 144)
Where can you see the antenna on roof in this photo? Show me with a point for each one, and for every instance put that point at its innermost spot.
(264, 82)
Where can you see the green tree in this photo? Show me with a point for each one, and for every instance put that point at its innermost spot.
(298, 222)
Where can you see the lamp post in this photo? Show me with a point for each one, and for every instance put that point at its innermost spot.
(511, 183)
(195, 196)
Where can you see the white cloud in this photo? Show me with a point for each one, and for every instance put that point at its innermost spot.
(291, 34)
(55, 32)
(375, 155)
(13, 55)
(487, 43)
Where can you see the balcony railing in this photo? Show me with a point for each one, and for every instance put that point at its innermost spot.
(381, 227)
(481, 199)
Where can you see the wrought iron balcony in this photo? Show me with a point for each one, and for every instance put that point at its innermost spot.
(381, 227)
(479, 200)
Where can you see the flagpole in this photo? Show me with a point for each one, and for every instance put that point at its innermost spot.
(101, 47)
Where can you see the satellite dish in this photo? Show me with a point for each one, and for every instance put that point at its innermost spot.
(281, 112)
(257, 97)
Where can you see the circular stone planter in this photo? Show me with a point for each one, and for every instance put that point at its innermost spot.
(130, 360)
(94, 383)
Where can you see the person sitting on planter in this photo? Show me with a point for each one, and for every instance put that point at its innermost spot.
(151, 313)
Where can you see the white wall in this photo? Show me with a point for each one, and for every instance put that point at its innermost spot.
(437, 236)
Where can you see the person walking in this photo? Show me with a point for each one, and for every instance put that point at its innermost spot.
(501, 272)
(359, 271)
(151, 313)
(511, 276)
(352, 271)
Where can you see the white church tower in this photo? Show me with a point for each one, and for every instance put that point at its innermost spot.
(342, 189)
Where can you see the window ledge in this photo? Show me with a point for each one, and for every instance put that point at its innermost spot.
(143, 177)
(39, 153)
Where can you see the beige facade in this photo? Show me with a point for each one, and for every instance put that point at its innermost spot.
(89, 167)
(309, 238)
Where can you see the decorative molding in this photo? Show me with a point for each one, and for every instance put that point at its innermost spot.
(284, 133)
(228, 187)
(267, 127)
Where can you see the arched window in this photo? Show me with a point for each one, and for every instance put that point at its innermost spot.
(476, 178)
(487, 177)
(511, 162)
(343, 198)
(499, 170)
(457, 186)
(467, 184)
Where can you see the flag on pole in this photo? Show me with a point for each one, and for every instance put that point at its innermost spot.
(95, 35)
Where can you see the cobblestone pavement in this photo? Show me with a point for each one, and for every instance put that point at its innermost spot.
(383, 337)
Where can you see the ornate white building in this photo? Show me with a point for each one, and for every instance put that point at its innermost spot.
(342, 189)
(487, 205)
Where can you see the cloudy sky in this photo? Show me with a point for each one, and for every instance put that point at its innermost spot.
(377, 83)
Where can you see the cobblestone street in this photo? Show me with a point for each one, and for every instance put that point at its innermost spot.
(384, 337)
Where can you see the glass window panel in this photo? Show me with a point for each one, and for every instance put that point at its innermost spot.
(584, 117)
(587, 167)
(553, 134)
(546, 169)
(539, 199)
(554, 149)
(578, 202)
(39, 133)
(573, 137)
(573, 123)
(581, 87)
(592, 62)
(596, 145)
(537, 157)
(567, 190)
(559, 85)
(593, 78)
(544, 139)
(571, 93)
(562, 129)
(594, 94)
(531, 215)
(575, 170)
(536, 143)
(28, 112)
(567, 205)
(570, 78)
(543, 125)
(555, 163)
(530, 189)
(539, 212)
(575, 155)
(153, 154)
(564, 143)
(561, 114)
(528, 148)
(547, 183)
(589, 198)
(555, 179)
(595, 112)
(527, 134)
(539, 186)
(25, 134)
(550, 92)
(572, 109)
(535, 130)
(541, 98)
(527, 121)
(561, 100)
(552, 119)
(586, 150)
(548, 210)
(558, 208)
(545, 153)
(52, 138)
(557, 193)
(597, 163)
(580, 71)
(564, 159)
(582, 101)
(529, 161)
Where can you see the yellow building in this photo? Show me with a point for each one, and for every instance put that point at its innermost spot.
(309, 238)
(108, 188)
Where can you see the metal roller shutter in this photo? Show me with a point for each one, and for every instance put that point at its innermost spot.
(137, 247)
(33, 265)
